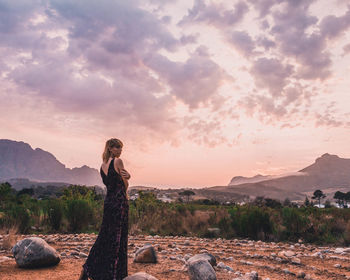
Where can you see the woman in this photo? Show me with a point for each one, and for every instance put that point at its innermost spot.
(108, 258)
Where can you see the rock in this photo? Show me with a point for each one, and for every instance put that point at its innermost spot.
(140, 276)
(301, 274)
(4, 259)
(253, 275)
(317, 254)
(146, 254)
(34, 252)
(201, 269)
(337, 265)
(83, 255)
(224, 266)
(296, 261)
(204, 256)
(287, 254)
(339, 250)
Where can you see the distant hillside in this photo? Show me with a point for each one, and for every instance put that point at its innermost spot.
(19, 160)
(328, 172)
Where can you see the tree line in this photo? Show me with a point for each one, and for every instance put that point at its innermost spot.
(79, 209)
(341, 198)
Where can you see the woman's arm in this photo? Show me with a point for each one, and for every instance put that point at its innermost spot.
(119, 166)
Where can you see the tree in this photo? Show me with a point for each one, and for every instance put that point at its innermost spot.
(272, 203)
(187, 193)
(339, 197)
(327, 204)
(318, 194)
(287, 202)
(307, 202)
(28, 191)
(347, 199)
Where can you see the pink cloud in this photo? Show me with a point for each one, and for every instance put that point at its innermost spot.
(215, 14)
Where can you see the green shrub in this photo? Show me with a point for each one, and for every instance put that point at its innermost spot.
(295, 223)
(79, 213)
(252, 222)
(21, 218)
(55, 211)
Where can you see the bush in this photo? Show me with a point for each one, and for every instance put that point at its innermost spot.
(252, 222)
(21, 217)
(294, 222)
(55, 210)
(79, 213)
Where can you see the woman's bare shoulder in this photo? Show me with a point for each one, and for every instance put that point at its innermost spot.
(118, 163)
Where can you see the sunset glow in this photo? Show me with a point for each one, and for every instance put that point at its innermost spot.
(198, 91)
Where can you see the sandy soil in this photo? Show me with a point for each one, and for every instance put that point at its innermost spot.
(241, 255)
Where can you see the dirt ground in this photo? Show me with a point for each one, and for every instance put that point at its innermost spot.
(241, 255)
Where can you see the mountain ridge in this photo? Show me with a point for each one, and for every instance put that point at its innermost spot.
(19, 160)
(327, 172)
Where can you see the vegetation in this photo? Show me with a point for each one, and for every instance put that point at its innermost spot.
(187, 193)
(80, 209)
(342, 199)
(318, 194)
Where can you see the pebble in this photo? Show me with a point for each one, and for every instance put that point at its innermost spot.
(296, 261)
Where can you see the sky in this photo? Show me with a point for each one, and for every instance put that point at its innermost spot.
(198, 91)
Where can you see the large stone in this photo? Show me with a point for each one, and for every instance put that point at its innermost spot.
(140, 276)
(201, 270)
(35, 252)
(146, 254)
(204, 256)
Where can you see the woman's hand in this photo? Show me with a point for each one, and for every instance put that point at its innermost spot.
(118, 165)
(125, 174)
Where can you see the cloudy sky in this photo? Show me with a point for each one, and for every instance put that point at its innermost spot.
(198, 91)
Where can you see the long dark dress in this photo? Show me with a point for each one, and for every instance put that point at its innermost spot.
(108, 258)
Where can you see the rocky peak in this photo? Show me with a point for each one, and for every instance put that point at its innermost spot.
(328, 163)
(20, 160)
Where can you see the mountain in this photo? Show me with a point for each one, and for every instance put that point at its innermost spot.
(19, 160)
(328, 172)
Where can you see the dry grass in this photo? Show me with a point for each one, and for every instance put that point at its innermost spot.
(10, 237)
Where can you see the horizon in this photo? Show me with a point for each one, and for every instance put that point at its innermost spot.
(168, 186)
(198, 91)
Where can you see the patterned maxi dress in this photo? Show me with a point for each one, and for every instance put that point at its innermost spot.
(108, 258)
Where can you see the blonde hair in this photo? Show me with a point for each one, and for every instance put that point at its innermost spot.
(111, 143)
